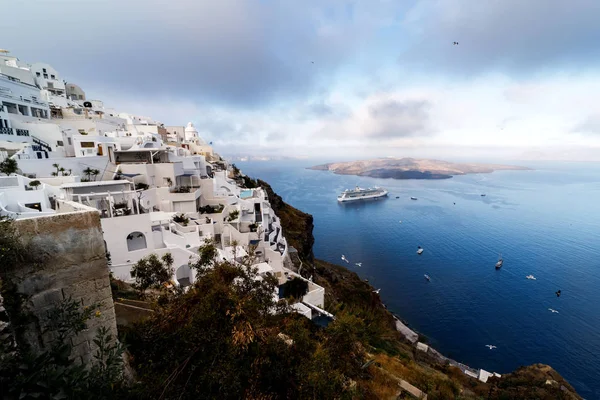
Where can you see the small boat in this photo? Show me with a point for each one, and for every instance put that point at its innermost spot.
(531, 277)
(427, 277)
(420, 250)
(500, 262)
(483, 195)
(413, 198)
(344, 258)
(397, 197)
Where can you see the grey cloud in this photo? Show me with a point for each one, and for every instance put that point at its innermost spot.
(391, 119)
(275, 136)
(234, 52)
(516, 36)
(590, 125)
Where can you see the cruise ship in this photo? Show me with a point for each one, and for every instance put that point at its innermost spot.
(361, 194)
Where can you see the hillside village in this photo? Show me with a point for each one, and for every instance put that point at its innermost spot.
(93, 186)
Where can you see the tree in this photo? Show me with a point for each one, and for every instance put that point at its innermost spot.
(152, 272)
(35, 184)
(208, 254)
(87, 172)
(55, 165)
(9, 166)
(95, 173)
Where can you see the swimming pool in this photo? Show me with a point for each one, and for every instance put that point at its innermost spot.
(246, 194)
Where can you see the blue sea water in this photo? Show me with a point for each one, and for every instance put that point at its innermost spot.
(545, 222)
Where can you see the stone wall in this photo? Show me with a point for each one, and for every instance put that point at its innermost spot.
(71, 263)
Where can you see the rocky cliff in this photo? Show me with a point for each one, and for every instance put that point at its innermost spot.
(396, 359)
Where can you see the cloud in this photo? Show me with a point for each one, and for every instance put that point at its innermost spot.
(397, 119)
(242, 53)
(515, 36)
(590, 125)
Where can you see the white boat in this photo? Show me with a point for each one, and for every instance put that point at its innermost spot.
(344, 258)
(500, 262)
(413, 198)
(427, 277)
(420, 250)
(361, 194)
(531, 277)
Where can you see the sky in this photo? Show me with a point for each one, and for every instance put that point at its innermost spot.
(336, 78)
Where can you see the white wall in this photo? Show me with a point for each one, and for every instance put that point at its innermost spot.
(44, 168)
(115, 235)
(41, 129)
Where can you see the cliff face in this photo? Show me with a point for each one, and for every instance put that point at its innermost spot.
(394, 357)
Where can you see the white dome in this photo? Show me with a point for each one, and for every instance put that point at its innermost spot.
(190, 132)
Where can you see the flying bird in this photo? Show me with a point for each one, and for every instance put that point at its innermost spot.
(377, 291)
(344, 258)
(358, 264)
(455, 43)
(492, 347)
(553, 310)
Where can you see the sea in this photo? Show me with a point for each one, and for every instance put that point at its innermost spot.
(544, 222)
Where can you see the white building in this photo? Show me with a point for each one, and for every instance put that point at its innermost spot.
(48, 80)
(156, 191)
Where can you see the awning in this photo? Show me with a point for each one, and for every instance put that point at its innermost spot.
(130, 175)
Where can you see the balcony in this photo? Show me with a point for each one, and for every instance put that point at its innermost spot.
(6, 131)
(22, 132)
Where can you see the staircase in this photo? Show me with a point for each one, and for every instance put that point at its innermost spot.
(45, 146)
(109, 171)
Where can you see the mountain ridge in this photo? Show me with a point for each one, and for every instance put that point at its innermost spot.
(411, 168)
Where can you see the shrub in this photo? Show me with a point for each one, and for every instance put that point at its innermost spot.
(152, 272)
(295, 288)
(35, 184)
(181, 219)
(233, 215)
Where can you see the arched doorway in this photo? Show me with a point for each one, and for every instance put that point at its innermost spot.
(184, 275)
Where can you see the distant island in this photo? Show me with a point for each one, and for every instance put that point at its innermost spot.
(411, 168)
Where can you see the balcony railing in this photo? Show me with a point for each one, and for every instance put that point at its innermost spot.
(22, 132)
(6, 131)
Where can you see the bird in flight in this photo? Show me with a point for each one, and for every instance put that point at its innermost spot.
(358, 264)
(492, 347)
(455, 43)
(377, 291)
(553, 310)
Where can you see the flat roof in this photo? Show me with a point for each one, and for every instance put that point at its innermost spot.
(93, 184)
(145, 149)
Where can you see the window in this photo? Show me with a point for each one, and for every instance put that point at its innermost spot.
(52, 76)
(136, 241)
(38, 74)
(46, 76)
(69, 141)
(50, 85)
(59, 143)
(80, 97)
(44, 69)
(87, 144)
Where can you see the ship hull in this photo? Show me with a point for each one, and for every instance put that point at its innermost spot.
(359, 198)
